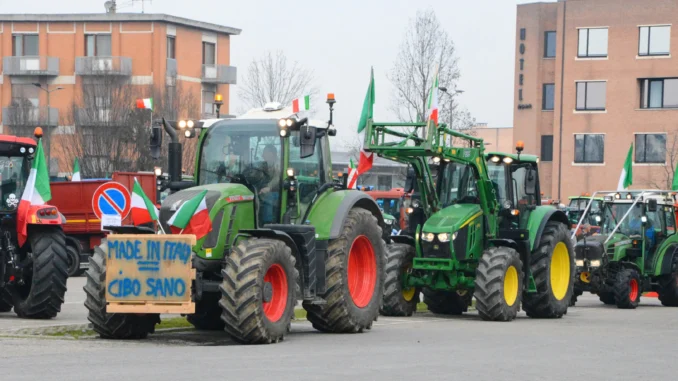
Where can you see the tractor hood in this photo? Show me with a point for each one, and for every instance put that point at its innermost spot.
(451, 219)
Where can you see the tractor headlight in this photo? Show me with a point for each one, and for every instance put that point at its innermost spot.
(388, 222)
(595, 263)
(428, 237)
(444, 237)
(579, 262)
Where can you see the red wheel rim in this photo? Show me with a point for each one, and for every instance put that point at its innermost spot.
(362, 271)
(274, 308)
(633, 293)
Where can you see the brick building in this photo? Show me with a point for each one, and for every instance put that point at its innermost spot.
(48, 60)
(592, 77)
(497, 139)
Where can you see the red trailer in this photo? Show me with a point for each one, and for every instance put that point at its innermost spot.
(83, 227)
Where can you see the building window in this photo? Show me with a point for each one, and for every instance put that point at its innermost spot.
(98, 45)
(384, 182)
(659, 93)
(654, 41)
(650, 148)
(171, 47)
(591, 96)
(25, 45)
(548, 96)
(549, 44)
(592, 42)
(25, 96)
(208, 53)
(547, 148)
(589, 148)
(208, 93)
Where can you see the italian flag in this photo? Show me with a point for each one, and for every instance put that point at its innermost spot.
(352, 175)
(37, 192)
(301, 104)
(192, 217)
(433, 101)
(146, 103)
(626, 177)
(143, 210)
(76, 171)
(365, 161)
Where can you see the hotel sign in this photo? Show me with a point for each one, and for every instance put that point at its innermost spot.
(521, 77)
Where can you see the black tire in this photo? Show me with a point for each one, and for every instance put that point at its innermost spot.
(243, 291)
(497, 266)
(5, 300)
(668, 287)
(607, 297)
(446, 302)
(575, 294)
(624, 288)
(207, 316)
(73, 257)
(115, 326)
(42, 295)
(545, 303)
(398, 302)
(341, 314)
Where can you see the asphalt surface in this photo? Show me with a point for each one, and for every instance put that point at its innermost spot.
(593, 342)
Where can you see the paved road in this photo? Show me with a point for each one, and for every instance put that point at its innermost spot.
(593, 342)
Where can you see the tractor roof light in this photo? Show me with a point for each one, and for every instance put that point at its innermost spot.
(617, 196)
(188, 133)
(190, 124)
(508, 160)
(38, 132)
(157, 171)
(182, 124)
(436, 159)
(283, 132)
(520, 146)
(290, 172)
(330, 98)
(495, 159)
(629, 196)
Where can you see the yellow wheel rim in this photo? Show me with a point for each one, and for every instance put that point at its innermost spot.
(408, 294)
(560, 271)
(511, 285)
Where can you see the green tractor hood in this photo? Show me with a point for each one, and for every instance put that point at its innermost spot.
(451, 219)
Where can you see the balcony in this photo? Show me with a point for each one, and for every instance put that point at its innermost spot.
(30, 116)
(220, 74)
(103, 66)
(31, 65)
(89, 117)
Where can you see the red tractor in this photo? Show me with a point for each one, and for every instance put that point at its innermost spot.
(33, 275)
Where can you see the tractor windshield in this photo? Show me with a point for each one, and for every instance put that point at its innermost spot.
(389, 205)
(457, 184)
(614, 212)
(14, 173)
(244, 152)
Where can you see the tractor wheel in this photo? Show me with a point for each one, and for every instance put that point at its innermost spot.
(575, 294)
(355, 277)
(553, 269)
(111, 326)
(5, 300)
(42, 293)
(668, 287)
(627, 289)
(447, 302)
(607, 297)
(73, 257)
(499, 284)
(399, 301)
(207, 316)
(259, 291)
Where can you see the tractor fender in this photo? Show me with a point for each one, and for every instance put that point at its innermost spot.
(33, 216)
(329, 212)
(538, 220)
(404, 239)
(667, 260)
(354, 199)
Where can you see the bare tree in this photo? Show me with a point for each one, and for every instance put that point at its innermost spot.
(272, 78)
(425, 47)
(663, 179)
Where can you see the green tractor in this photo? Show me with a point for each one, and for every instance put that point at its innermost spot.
(282, 230)
(636, 251)
(479, 230)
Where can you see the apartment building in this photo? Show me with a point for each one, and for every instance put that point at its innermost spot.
(49, 59)
(593, 77)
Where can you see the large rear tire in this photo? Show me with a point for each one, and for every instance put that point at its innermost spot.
(355, 277)
(73, 257)
(668, 287)
(42, 295)
(111, 326)
(5, 300)
(499, 284)
(259, 291)
(399, 301)
(627, 289)
(447, 302)
(207, 316)
(553, 269)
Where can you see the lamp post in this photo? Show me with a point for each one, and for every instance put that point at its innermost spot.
(451, 95)
(49, 134)
(218, 101)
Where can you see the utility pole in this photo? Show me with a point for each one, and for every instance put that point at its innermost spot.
(456, 92)
(49, 124)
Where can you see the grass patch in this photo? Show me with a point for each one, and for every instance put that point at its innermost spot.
(73, 333)
(175, 322)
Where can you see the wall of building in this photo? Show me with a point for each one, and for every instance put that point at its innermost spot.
(498, 139)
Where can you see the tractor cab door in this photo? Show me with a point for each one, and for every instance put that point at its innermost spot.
(524, 189)
(307, 159)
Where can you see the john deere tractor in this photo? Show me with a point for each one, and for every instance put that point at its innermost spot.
(282, 230)
(479, 230)
(636, 251)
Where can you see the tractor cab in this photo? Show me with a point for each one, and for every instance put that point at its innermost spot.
(16, 155)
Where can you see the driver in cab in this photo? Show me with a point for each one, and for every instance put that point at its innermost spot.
(270, 193)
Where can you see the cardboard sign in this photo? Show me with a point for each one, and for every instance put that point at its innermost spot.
(149, 273)
(110, 220)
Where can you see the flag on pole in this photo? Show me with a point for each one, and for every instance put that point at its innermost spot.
(301, 104)
(192, 217)
(143, 211)
(365, 162)
(626, 177)
(352, 175)
(37, 192)
(433, 101)
(76, 171)
(368, 104)
(146, 103)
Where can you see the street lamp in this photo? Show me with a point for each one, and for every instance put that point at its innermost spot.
(49, 135)
(452, 95)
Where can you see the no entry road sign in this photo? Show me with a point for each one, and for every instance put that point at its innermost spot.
(111, 198)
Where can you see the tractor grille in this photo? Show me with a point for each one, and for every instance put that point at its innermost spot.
(436, 249)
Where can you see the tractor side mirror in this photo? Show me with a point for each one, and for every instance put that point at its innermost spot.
(410, 180)
(651, 205)
(531, 182)
(307, 141)
(156, 140)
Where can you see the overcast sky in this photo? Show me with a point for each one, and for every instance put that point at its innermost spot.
(340, 40)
